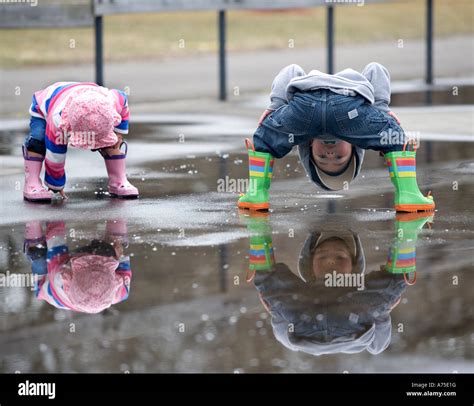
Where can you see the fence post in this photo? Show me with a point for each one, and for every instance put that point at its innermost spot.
(99, 54)
(222, 56)
(330, 39)
(429, 49)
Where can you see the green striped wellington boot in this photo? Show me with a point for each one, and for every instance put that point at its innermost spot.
(402, 169)
(260, 179)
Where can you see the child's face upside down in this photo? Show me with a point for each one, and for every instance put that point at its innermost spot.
(331, 158)
(332, 255)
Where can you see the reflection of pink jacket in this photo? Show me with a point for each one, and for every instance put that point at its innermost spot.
(81, 282)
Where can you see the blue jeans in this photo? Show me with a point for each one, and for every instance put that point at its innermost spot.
(35, 141)
(310, 115)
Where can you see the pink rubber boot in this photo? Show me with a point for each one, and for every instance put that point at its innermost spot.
(119, 186)
(33, 235)
(33, 231)
(116, 228)
(34, 191)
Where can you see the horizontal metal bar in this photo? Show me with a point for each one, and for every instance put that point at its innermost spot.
(103, 7)
(24, 15)
(80, 13)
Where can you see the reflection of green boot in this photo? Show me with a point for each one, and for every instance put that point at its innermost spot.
(402, 168)
(261, 256)
(402, 255)
(260, 178)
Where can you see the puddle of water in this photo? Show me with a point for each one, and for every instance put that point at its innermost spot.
(180, 281)
(195, 307)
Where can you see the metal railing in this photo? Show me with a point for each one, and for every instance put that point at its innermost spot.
(90, 13)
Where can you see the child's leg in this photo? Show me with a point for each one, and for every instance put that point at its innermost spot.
(34, 151)
(115, 149)
(34, 247)
(402, 253)
(35, 141)
(355, 121)
(290, 125)
(114, 158)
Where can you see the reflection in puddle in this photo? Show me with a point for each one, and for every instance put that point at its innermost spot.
(88, 279)
(331, 303)
(190, 310)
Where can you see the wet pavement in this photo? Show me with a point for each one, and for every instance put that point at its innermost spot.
(200, 287)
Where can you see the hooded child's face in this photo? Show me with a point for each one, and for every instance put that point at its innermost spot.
(331, 158)
(332, 255)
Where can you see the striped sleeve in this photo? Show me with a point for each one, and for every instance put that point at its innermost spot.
(55, 160)
(122, 109)
(35, 110)
(56, 243)
(126, 274)
(46, 104)
(39, 265)
(57, 255)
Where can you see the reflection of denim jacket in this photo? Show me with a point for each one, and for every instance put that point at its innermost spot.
(319, 320)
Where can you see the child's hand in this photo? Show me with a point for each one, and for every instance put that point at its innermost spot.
(391, 113)
(61, 193)
(264, 116)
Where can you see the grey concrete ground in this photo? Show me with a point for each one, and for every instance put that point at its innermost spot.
(196, 77)
(188, 247)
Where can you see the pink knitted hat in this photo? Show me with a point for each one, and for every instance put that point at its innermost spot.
(89, 118)
(92, 283)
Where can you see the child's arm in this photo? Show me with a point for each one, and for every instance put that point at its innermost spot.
(35, 110)
(55, 145)
(125, 274)
(44, 141)
(34, 247)
(280, 83)
(57, 250)
(57, 254)
(54, 163)
(379, 77)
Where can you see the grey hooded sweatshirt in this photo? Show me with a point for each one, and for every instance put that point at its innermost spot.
(373, 84)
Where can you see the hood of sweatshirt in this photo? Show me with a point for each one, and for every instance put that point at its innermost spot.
(304, 151)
